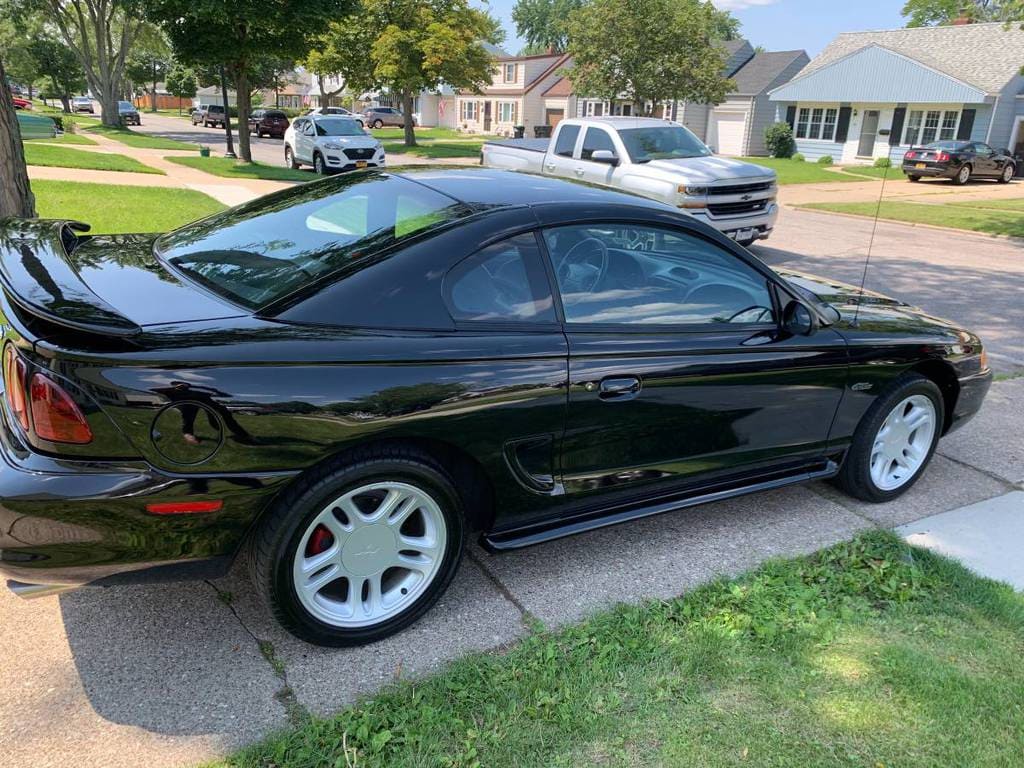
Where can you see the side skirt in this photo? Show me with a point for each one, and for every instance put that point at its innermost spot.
(557, 529)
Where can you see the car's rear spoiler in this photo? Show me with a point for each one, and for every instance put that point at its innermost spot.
(38, 275)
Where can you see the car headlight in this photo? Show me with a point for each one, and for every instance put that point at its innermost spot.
(692, 191)
(334, 145)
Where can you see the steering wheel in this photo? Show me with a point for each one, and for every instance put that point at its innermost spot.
(764, 314)
(580, 271)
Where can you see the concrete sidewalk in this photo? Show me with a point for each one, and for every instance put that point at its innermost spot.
(176, 674)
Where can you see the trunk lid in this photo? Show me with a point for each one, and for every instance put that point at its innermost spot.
(111, 285)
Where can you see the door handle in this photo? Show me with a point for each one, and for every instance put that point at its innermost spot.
(550, 166)
(619, 388)
(579, 171)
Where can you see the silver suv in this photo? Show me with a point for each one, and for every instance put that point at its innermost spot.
(378, 117)
(210, 115)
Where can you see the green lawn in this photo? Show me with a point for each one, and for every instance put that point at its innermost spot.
(112, 208)
(140, 140)
(64, 157)
(793, 172)
(875, 173)
(67, 138)
(222, 166)
(421, 133)
(948, 215)
(1014, 204)
(436, 148)
(867, 654)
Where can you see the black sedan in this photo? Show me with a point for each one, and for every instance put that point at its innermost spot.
(960, 161)
(128, 114)
(338, 382)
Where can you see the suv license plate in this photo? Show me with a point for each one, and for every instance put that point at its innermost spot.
(360, 163)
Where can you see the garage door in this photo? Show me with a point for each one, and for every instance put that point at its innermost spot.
(726, 135)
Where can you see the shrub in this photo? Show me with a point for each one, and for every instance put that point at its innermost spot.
(779, 139)
(825, 160)
(883, 162)
(797, 158)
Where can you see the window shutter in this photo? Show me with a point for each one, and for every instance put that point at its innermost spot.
(966, 125)
(843, 129)
(897, 126)
(791, 116)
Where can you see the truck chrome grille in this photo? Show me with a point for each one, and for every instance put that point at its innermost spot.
(735, 209)
(740, 189)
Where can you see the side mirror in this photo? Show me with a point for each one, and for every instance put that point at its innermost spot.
(605, 156)
(798, 319)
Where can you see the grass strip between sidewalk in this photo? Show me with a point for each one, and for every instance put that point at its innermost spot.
(66, 157)
(114, 208)
(868, 653)
(140, 140)
(955, 216)
(236, 169)
(800, 172)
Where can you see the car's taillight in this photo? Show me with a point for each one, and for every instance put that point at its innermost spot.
(942, 157)
(911, 155)
(14, 385)
(55, 416)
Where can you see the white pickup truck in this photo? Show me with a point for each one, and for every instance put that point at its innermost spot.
(654, 158)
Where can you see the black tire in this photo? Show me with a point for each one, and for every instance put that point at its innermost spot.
(378, 124)
(913, 178)
(961, 177)
(854, 477)
(273, 546)
(319, 164)
(1008, 173)
(289, 158)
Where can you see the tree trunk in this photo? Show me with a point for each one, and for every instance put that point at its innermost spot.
(16, 198)
(153, 105)
(65, 101)
(410, 131)
(244, 100)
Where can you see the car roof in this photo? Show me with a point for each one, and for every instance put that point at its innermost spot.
(617, 121)
(492, 188)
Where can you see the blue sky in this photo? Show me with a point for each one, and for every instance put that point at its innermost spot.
(778, 25)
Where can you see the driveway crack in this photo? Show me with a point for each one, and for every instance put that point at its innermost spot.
(285, 694)
(531, 622)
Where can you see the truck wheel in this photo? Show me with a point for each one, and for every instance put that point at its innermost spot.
(360, 549)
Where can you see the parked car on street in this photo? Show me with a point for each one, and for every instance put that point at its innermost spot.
(36, 126)
(20, 103)
(335, 111)
(342, 380)
(272, 122)
(82, 104)
(128, 114)
(209, 115)
(378, 117)
(331, 143)
(656, 159)
(960, 161)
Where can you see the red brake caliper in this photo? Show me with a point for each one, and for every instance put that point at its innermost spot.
(319, 541)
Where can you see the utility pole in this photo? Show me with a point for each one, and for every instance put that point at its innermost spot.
(227, 116)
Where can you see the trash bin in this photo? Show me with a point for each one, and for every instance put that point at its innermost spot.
(542, 131)
(518, 131)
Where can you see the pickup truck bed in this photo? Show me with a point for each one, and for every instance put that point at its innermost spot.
(530, 145)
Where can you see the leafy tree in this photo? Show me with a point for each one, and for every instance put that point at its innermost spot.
(16, 198)
(181, 83)
(340, 53)
(544, 24)
(16, 32)
(420, 44)
(930, 13)
(149, 61)
(59, 64)
(101, 34)
(647, 51)
(242, 34)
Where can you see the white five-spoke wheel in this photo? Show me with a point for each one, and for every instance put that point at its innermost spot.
(903, 442)
(894, 440)
(369, 554)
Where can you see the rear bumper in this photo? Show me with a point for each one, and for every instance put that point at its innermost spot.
(973, 389)
(932, 171)
(79, 522)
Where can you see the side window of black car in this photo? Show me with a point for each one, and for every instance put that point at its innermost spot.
(622, 274)
(503, 283)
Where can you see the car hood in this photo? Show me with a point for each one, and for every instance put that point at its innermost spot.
(709, 170)
(873, 311)
(355, 142)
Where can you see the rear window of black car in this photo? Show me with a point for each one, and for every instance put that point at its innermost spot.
(264, 250)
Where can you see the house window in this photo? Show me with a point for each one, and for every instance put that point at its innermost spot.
(913, 127)
(931, 126)
(506, 111)
(816, 123)
(510, 73)
(470, 110)
(595, 108)
(949, 119)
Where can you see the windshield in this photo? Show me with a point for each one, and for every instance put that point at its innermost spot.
(955, 145)
(337, 126)
(261, 251)
(125, 105)
(661, 143)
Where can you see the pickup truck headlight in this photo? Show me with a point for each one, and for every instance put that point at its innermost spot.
(692, 191)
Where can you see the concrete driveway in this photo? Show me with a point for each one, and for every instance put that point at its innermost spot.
(176, 674)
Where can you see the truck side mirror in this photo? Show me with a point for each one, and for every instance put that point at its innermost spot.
(605, 156)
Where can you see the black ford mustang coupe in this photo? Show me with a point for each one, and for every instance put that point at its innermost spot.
(339, 381)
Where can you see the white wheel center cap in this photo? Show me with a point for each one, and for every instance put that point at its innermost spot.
(369, 550)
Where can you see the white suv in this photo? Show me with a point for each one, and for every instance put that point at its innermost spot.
(331, 143)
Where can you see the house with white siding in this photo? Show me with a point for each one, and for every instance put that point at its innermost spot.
(874, 94)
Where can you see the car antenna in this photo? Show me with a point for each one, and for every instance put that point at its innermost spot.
(871, 243)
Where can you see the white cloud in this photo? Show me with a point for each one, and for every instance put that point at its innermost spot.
(740, 5)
